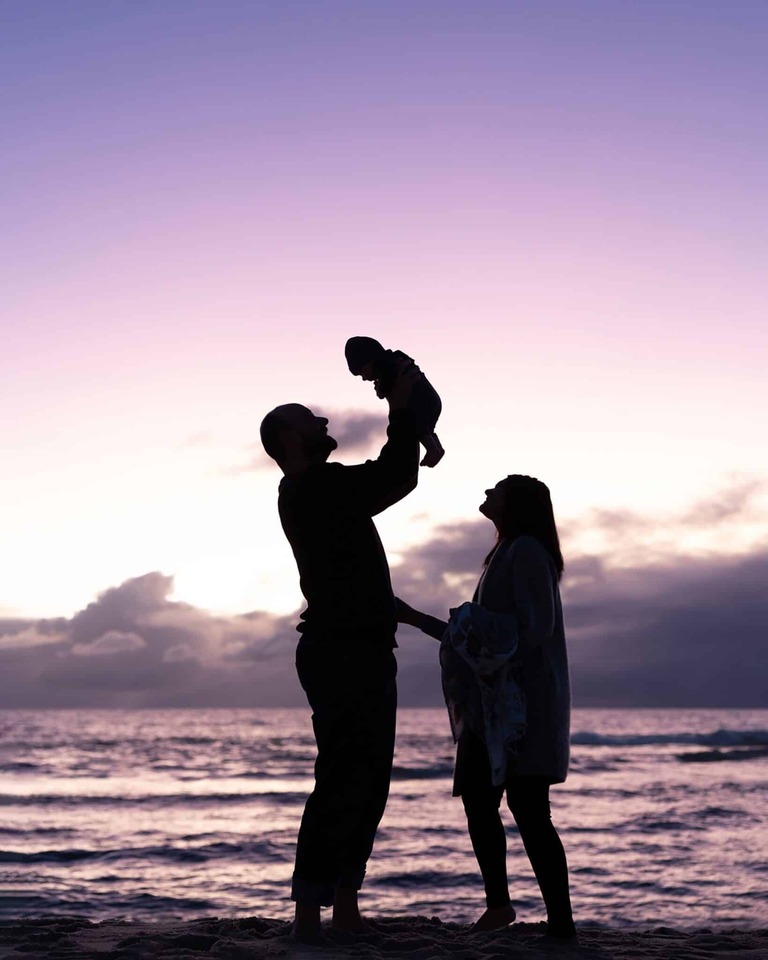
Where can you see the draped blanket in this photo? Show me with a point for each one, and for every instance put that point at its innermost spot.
(481, 689)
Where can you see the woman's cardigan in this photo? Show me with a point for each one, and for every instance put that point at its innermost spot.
(521, 579)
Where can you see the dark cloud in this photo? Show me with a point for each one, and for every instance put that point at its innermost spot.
(121, 608)
(675, 630)
(109, 644)
(134, 647)
(357, 433)
(443, 571)
(687, 632)
(738, 503)
(669, 630)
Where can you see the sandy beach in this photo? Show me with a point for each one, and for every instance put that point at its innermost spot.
(416, 938)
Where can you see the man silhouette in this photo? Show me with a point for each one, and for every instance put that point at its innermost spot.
(344, 658)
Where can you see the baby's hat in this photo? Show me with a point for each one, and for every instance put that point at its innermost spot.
(361, 350)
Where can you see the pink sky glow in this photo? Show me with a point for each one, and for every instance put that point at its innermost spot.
(558, 209)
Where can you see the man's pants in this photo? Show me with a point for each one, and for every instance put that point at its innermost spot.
(353, 694)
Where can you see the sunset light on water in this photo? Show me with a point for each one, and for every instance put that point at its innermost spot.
(194, 813)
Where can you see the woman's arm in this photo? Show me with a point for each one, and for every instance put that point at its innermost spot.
(428, 624)
(534, 591)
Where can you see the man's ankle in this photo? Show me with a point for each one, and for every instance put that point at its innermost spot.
(306, 915)
(306, 926)
(346, 911)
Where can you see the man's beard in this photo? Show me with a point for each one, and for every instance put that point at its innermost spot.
(321, 448)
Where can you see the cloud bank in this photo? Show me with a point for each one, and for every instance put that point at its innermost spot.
(648, 623)
(133, 647)
(645, 627)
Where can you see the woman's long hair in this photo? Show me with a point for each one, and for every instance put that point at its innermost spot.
(528, 512)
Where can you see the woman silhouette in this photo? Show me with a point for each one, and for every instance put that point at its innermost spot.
(505, 654)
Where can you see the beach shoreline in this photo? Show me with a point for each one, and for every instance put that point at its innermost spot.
(413, 937)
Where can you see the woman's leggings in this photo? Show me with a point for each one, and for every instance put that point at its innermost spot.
(528, 799)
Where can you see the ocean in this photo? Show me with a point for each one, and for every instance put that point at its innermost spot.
(160, 814)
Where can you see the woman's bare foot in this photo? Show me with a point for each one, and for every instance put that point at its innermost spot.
(495, 918)
(562, 930)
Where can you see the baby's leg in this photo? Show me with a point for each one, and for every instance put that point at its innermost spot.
(433, 450)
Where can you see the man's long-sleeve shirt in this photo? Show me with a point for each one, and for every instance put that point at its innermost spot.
(326, 512)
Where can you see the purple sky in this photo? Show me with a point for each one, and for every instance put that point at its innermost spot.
(558, 208)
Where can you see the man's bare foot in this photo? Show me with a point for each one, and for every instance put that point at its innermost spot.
(303, 933)
(306, 925)
(346, 913)
(495, 918)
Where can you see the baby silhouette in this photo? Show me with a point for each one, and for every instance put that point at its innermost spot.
(367, 358)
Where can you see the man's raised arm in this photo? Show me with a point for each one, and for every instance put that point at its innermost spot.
(377, 484)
